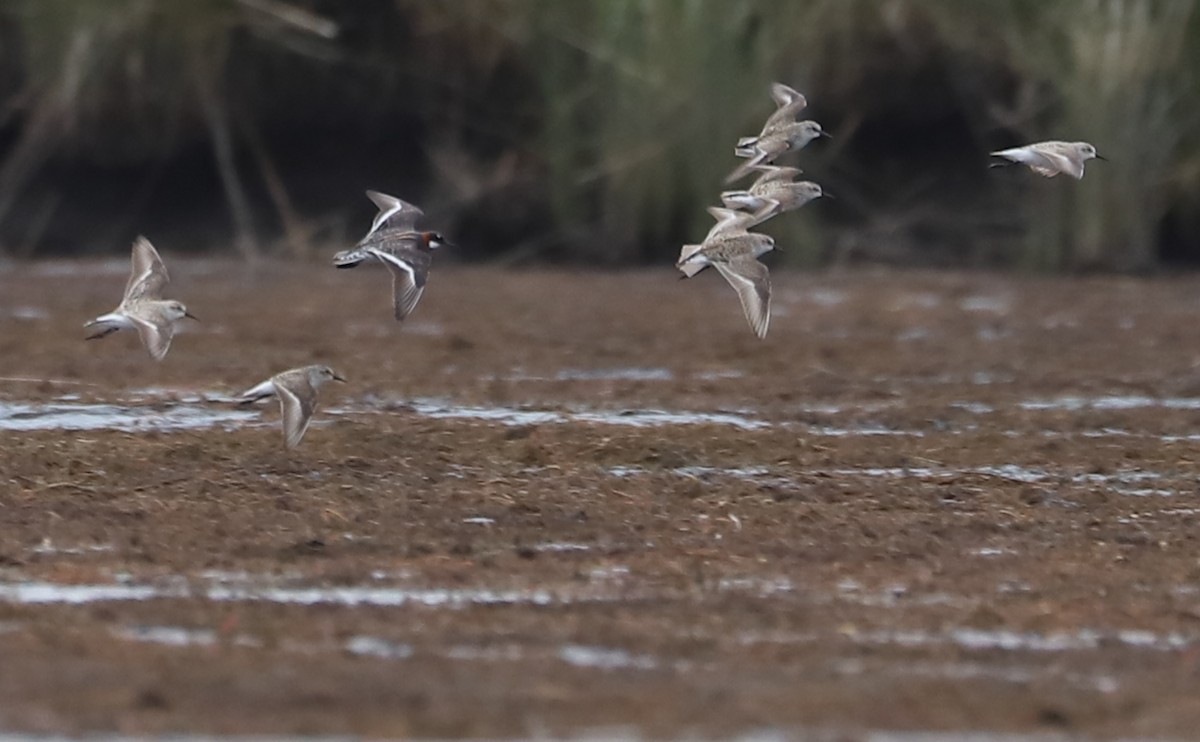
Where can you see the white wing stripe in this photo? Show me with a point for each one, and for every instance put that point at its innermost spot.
(390, 259)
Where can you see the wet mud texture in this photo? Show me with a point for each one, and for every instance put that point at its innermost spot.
(938, 501)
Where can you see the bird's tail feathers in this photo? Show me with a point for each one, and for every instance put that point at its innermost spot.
(740, 200)
(350, 258)
(745, 146)
(255, 393)
(690, 267)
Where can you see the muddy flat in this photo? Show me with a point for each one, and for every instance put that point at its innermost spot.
(554, 502)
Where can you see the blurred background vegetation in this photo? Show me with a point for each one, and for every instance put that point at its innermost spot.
(596, 131)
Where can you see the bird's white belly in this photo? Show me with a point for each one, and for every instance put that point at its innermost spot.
(114, 320)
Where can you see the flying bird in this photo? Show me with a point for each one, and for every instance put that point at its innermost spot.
(764, 149)
(1050, 158)
(789, 103)
(733, 251)
(776, 187)
(395, 241)
(297, 392)
(142, 308)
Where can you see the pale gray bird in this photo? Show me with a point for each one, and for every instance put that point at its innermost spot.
(395, 241)
(1050, 158)
(774, 188)
(731, 221)
(734, 252)
(143, 308)
(297, 392)
(789, 103)
(764, 149)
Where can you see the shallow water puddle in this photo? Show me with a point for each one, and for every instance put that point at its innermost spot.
(560, 547)
(65, 415)
(165, 409)
(49, 548)
(1110, 402)
(630, 373)
(1121, 482)
(370, 646)
(1012, 641)
(1002, 672)
(603, 658)
(178, 636)
(986, 304)
(181, 415)
(42, 593)
(832, 431)
(576, 655)
(992, 639)
(605, 584)
(644, 418)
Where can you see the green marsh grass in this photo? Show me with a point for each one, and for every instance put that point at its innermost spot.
(627, 110)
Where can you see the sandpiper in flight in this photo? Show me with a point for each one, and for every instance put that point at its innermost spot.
(1050, 158)
(734, 251)
(765, 148)
(297, 392)
(143, 308)
(789, 103)
(774, 187)
(395, 241)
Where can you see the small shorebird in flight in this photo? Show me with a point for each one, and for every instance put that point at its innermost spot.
(733, 251)
(395, 241)
(764, 149)
(776, 186)
(789, 103)
(1050, 158)
(297, 392)
(143, 308)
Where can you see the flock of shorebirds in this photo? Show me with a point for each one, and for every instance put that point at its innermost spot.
(730, 246)
(733, 249)
(395, 241)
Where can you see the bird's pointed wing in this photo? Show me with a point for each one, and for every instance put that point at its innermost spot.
(752, 282)
(148, 276)
(1060, 163)
(767, 208)
(759, 156)
(409, 274)
(786, 95)
(775, 174)
(296, 400)
(766, 149)
(393, 212)
(790, 103)
(156, 335)
(728, 220)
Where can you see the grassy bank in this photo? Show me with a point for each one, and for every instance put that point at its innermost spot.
(598, 131)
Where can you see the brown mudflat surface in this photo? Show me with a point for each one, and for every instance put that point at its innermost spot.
(554, 501)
